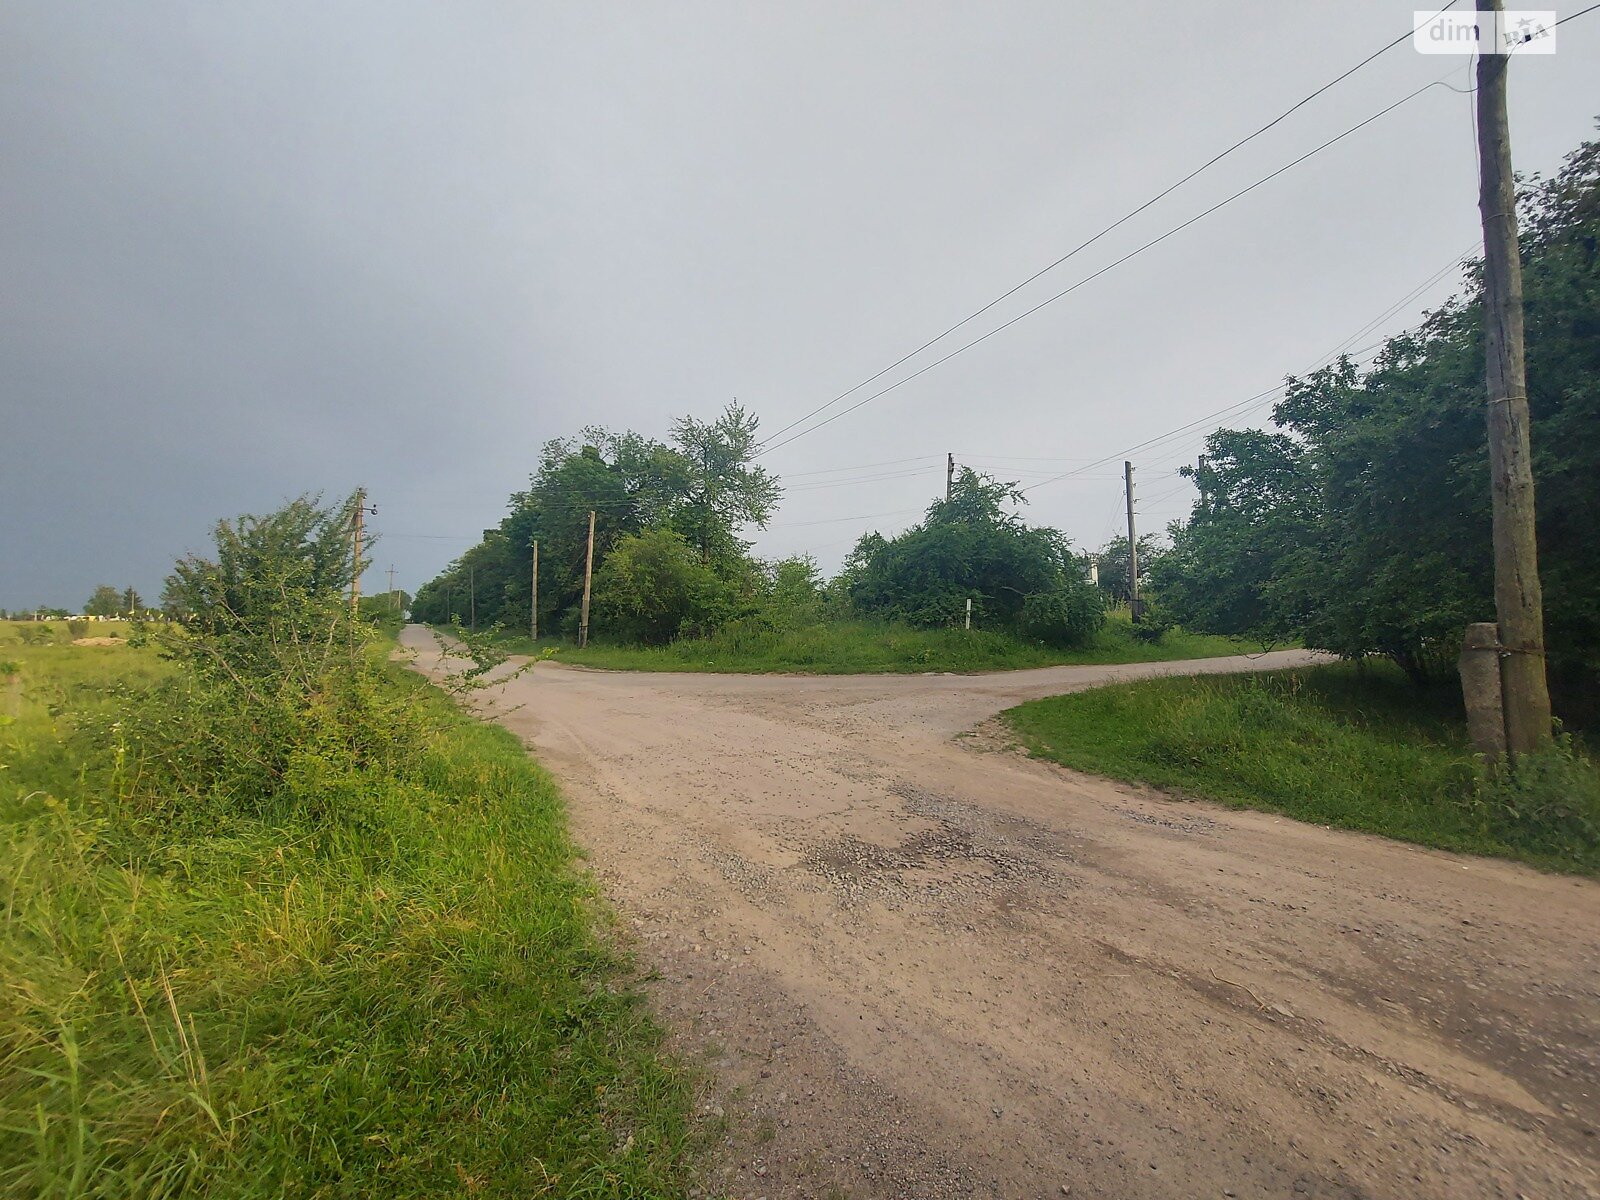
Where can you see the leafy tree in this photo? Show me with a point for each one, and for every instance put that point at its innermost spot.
(274, 581)
(968, 545)
(794, 593)
(106, 602)
(705, 487)
(1364, 525)
(1262, 502)
(655, 587)
(726, 490)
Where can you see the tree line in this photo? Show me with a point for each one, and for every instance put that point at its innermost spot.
(670, 562)
(1360, 524)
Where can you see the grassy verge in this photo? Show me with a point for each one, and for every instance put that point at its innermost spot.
(412, 1001)
(860, 647)
(1337, 745)
(45, 633)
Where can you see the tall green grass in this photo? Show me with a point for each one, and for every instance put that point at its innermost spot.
(866, 647)
(1358, 748)
(415, 1001)
(25, 633)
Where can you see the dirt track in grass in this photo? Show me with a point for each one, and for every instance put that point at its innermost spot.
(922, 965)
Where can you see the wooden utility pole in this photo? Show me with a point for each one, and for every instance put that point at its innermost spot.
(1133, 544)
(533, 602)
(1200, 480)
(394, 601)
(355, 562)
(949, 475)
(1518, 597)
(588, 575)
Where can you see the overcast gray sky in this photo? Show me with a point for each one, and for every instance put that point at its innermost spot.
(255, 250)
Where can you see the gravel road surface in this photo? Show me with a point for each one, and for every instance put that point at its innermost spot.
(920, 964)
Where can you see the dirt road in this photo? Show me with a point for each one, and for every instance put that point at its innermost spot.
(922, 965)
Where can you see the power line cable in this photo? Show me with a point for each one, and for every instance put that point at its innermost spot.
(1118, 223)
(1238, 407)
(1155, 241)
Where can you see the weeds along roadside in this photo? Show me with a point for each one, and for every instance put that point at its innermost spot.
(295, 926)
(1357, 748)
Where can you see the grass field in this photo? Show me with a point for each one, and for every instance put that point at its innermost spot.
(419, 1000)
(860, 647)
(28, 633)
(1337, 745)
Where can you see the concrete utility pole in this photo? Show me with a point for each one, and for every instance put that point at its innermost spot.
(355, 561)
(1518, 597)
(588, 575)
(533, 602)
(1133, 544)
(949, 476)
(394, 601)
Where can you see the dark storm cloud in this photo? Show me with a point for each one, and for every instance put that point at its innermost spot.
(251, 251)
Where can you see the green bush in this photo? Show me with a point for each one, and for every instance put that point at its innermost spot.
(654, 587)
(968, 547)
(279, 700)
(1154, 623)
(793, 597)
(1067, 618)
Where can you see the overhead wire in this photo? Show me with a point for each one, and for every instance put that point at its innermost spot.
(1155, 241)
(1118, 223)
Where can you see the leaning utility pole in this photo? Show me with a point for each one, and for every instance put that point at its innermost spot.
(949, 475)
(533, 602)
(1133, 544)
(1518, 598)
(588, 575)
(355, 561)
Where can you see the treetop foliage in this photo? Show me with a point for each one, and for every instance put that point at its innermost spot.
(972, 545)
(1361, 524)
(704, 487)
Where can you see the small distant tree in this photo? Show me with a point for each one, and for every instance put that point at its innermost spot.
(106, 602)
(794, 593)
(968, 546)
(132, 602)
